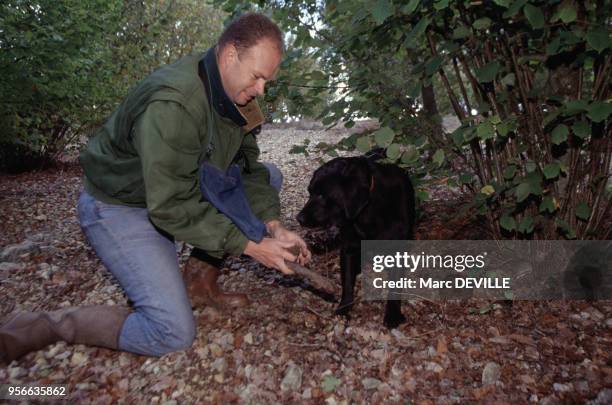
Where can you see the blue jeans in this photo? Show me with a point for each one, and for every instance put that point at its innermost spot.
(145, 264)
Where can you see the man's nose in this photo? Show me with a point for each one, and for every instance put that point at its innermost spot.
(259, 87)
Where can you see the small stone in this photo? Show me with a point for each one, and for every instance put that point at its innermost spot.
(220, 365)
(17, 372)
(8, 266)
(78, 359)
(604, 397)
(248, 338)
(219, 378)
(248, 393)
(433, 366)
(558, 387)
(215, 349)
(307, 394)
(582, 386)
(377, 354)
(293, 378)
(14, 251)
(490, 373)
(331, 400)
(370, 383)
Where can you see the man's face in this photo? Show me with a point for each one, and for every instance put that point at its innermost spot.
(244, 76)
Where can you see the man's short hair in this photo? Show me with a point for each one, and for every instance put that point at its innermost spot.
(248, 29)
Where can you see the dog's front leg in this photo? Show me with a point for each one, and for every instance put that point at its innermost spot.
(349, 266)
(393, 314)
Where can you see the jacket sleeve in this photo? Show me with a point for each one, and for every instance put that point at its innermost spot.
(263, 198)
(167, 141)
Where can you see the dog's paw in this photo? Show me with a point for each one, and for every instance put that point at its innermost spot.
(343, 310)
(393, 321)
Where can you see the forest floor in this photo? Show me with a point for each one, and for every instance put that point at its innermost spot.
(287, 346)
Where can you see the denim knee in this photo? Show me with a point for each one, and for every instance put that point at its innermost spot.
(173, 334)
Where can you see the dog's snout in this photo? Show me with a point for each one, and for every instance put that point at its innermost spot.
(301, 218)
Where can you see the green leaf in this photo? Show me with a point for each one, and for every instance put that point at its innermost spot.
(567, 13)
(581, 129)
(488, 72)
(553, 46)
(422, 195)
(508, 80)
(575, 107)
(482, 23)
(382, 10)
(565, 227)
(415, 90)
(487, 190)
(461, 32)
(514, 8)
(328, 120)
(363, 144)
(534, 16)
(526, 226)
(507, 222)
(599, 111)
(441, 4)
(547, 204)
(393, 151)
(485, 130)
(317, 75)
(559, 134)
(598, 39)
(522, 191)
(509, 172)
(550, 117)
(433, 65)
(330, 383)
(384, 136)
(552, 170)
(503, 3)
(410, 7)
(457, 136)
(466, 178)
(410, 155)
(438, 157)
(297, 149)
(583, 211)
(416, 32)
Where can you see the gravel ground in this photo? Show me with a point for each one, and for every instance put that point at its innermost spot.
(287, 347)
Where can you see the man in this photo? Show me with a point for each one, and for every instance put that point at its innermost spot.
(142, 192)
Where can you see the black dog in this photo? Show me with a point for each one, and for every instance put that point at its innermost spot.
(366, 201)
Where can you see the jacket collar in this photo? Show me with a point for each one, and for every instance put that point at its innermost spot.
(249, 116)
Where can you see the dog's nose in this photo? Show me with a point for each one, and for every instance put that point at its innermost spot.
(300, 218)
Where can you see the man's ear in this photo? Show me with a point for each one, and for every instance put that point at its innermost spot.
(228, 55)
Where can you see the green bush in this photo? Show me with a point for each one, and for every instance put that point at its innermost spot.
(529, 81)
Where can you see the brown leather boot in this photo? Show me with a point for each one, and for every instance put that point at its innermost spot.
(201, 282)
(23, 332)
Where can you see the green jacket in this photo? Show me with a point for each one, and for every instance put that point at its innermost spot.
(149, 151)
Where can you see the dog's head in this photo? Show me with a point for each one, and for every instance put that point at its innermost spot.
(339, 190)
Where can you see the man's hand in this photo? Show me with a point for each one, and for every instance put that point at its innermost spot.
(271, 253)
(280, 233)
